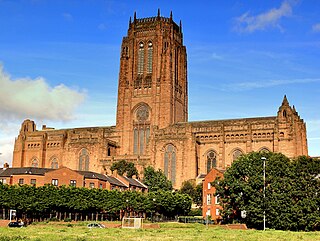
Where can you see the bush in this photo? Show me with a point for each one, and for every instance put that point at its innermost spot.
(67, 220)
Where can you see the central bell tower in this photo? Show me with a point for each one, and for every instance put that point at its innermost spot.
(153, 86)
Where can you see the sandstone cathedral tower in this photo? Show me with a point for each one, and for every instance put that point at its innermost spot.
(152, 125)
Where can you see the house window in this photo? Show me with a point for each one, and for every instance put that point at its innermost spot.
(216, 199)
(3, 181)
(170, 163)
(100, 186)
(54, 182)
(73, 183)
(21, 181)
(91, 185)
(208, 199)
(209, 185)
(33, 182)
(217, 212)
(211, 160)
(84, 160)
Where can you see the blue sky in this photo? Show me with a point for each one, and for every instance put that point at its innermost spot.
(60, 60)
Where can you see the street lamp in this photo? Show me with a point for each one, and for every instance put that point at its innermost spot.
(264, 192)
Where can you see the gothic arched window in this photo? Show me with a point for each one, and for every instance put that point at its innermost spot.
(141, 58)
(84, 160)
(141, 131)
(34, 162)
(170, 163)
(236, 153)
(54, 163)
(150, 54)
(211, 160)
(264, 149)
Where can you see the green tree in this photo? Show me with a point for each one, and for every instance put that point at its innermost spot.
(124, 167)
(194, 191)
(292, 192)
(156, 180)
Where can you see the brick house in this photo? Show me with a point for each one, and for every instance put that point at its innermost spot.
(65, 176)
(211, 205)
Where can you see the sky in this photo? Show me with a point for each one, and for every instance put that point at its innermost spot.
(59, 60)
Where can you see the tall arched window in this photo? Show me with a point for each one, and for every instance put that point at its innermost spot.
(34, 162)
(170, 163)
(141, 58)
(211, 160)
(84, 160)
(141, 131)
(236, 153)
(150, 53)
(54, 163)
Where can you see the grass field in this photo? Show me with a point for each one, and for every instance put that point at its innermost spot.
(167, 231)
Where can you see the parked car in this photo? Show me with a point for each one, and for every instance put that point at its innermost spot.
(15, 224)
(95, 225)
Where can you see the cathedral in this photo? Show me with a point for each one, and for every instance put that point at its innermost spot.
(152, 125)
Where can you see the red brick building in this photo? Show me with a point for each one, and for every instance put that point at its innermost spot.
(65, 176)
(210, 206)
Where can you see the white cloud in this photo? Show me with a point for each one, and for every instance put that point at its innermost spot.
(6, 150)
(316, 28)
(266, 84)
(268, 19)
(34, 98)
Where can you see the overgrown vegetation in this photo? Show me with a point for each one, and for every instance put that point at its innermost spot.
(292, 194)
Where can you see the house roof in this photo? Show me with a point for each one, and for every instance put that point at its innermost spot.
(24, 171)
(93, 175)
(135, 182)
(116, 181)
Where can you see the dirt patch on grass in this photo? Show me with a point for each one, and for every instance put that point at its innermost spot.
(4, 223)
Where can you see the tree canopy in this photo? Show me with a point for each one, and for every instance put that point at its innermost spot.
(194, 191)
(292, 195)
(124, 167)
(156, 180)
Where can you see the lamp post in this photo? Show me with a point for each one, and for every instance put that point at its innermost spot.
(264, 192)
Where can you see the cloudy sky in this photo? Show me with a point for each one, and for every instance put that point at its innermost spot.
(59, 60)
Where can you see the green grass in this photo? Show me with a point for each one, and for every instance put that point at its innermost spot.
(167, 231)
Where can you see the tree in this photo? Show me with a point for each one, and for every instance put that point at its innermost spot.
(292, 192)
(156, 180)
(194, 191)
(124, 167)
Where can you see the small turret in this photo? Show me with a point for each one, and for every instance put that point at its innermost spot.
(28, 126)
(285, 101)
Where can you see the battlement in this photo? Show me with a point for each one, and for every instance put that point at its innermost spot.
(145, 22)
